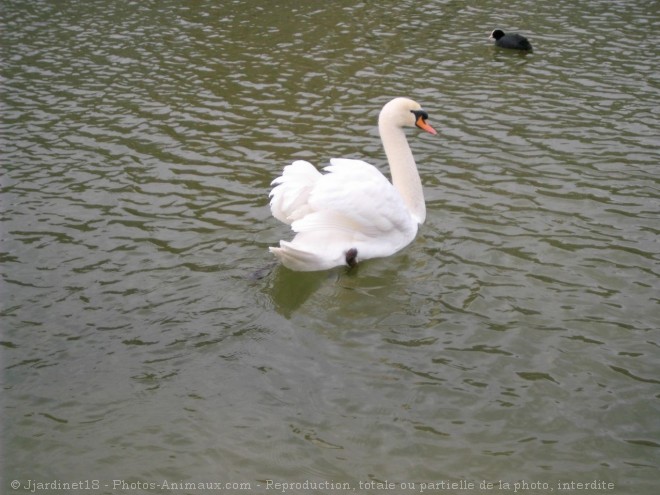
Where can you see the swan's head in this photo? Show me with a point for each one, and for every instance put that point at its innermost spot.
(404, 112)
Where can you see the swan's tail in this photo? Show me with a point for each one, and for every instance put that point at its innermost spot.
(288, 199)
(301, 260)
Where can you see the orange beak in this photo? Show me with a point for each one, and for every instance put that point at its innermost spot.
(421, 123)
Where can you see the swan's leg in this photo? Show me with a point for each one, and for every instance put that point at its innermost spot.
(351, 257)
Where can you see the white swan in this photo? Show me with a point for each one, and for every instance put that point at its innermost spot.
(353, 213)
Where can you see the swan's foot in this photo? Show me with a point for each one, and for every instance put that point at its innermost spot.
(351, 257)
(262, 272)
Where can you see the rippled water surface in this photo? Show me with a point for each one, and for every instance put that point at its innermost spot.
(146, 335)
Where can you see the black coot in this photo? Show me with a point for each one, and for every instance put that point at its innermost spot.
(511, 40)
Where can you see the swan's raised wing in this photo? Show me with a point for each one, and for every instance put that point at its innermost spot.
(356, 202)
(289, 198)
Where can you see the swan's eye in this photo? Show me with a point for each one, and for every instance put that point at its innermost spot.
(420, 114)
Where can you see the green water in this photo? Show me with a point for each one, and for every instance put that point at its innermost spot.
(148, 340)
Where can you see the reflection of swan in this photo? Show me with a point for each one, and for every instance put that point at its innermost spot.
(353, 212)
(288, 291)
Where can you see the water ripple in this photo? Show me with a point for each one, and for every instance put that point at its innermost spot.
(512, 339)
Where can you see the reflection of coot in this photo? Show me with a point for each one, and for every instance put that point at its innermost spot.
(512, 40)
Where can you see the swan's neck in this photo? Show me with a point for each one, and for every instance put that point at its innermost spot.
(405, 177)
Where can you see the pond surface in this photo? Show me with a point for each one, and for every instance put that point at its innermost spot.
(147, 336)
